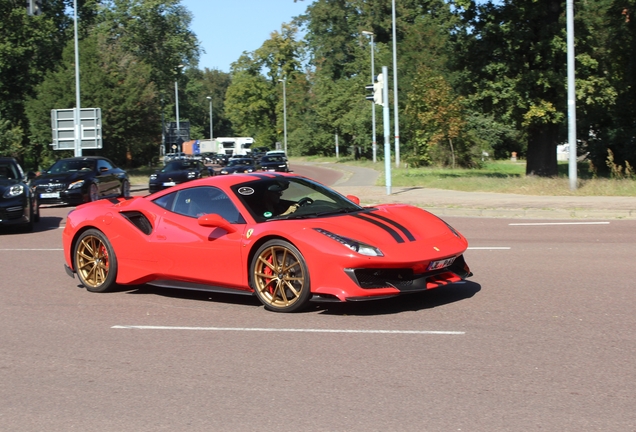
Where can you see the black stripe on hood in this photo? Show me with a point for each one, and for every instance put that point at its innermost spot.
(401, 227)
(386, 228)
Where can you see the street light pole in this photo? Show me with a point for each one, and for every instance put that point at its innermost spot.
(571, 94)
(176, 98)
(211, 134)
(395, 94)
(373, 142)
(77, 115)
(284, 80)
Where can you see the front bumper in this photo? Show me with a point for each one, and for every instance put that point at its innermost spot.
(15, 212)
(64, 197)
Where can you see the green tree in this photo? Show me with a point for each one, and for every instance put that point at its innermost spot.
(116, 82)
(515, 56)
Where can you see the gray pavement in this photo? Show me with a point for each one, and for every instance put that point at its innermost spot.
(355, 181)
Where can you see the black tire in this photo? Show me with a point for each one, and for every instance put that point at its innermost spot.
(279, 277)
(125, 189)
(94, 261)
(93, 192)
(36, 211)
(28, 227)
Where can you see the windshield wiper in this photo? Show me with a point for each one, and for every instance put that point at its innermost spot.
(338, 211)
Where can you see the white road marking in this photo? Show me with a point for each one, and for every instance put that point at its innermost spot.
(289, 330)
(31, 249)
(490, 248)
(559, 223)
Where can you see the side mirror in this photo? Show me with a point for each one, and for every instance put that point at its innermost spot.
(213, 220)
(353, 199)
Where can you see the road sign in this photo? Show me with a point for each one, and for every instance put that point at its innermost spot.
(173, 136)
(63, 126)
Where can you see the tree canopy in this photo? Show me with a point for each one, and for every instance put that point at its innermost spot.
(475, 78)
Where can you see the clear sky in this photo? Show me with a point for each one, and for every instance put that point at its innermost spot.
(226, 28)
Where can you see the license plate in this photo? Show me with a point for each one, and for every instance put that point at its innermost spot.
(50, 195)
(436, 265)
(169, 183)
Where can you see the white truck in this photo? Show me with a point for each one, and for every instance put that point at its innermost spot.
(235, 146)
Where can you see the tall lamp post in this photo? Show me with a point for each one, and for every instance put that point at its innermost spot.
(176, 98)
(374, 146)
(78, 109)
(395, 93)
(210, 99)
(284, 80)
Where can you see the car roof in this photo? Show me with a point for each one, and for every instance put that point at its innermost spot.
(226, 181)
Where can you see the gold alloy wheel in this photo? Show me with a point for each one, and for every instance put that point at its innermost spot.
(92, 262)
(280, 278)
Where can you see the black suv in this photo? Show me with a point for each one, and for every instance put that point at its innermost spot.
(18, 203)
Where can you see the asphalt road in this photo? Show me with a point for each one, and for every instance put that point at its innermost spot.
(541, 338)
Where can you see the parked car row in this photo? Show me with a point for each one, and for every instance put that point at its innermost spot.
(176, 172)
(78, 180)
(69, 181)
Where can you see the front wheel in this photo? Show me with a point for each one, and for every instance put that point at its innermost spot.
(95, 261)
(125, 189)
(93, 193)
(279, 277)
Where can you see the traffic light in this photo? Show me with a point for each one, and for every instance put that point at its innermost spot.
(376, 88)
(370, 88)
(34, 7)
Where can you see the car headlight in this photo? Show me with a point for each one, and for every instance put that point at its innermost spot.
(76, 184)
(223, 171)
(354, 245)
(192, 175)
(153, 176)
(249, 170)
(14, 191)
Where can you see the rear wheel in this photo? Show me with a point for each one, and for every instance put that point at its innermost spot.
(95, 261)
(280, 277)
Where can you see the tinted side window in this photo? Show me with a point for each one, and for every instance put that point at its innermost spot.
(198, 201)
(103, 165)
(165, 201)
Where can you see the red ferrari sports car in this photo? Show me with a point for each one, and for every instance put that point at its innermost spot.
(285, 238)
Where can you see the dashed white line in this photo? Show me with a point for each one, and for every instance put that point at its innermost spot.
(558, 223)
(26, 249)
(288, 330)
(489, 247)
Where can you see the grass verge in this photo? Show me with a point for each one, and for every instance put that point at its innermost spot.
(495, 176)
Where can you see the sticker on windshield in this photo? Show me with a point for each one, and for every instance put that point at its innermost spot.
(246, 190)
(267, 214)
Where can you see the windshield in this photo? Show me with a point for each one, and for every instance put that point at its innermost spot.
(177, 166)
(273, 159)
(291, 198)
(66, 166)
(7, 171)
(235, 162)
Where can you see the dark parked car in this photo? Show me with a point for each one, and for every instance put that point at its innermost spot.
(240, 165)
(259, 152)
(274, 163)
(176, 172)
(18, 204)
(78, 180)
